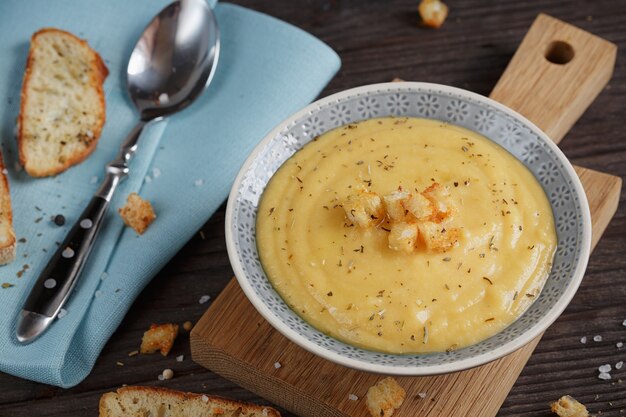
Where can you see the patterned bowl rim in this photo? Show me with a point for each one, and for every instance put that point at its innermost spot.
(480, 359)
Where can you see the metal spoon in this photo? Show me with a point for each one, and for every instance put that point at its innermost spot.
(173, 61)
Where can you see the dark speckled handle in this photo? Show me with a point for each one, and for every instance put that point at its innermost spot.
(60, 275)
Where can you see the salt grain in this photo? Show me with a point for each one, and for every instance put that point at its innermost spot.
(89, 133)
(5, 171)
(180, 358)
(619, 365)
(104, 276)
(605, 368)
(148, 179)
(619, 345)
(422, 395)
(199, 183)
(624, 323)
(93, 180)
(160, 377)
(204, 299)
(164, 98)
(583, 340)
(156, 173)
(604, 376)
(352, 397)
(277, 365)
(62, 313)
(597, 338)
(205, 399)
(98, 293)
(264, 413)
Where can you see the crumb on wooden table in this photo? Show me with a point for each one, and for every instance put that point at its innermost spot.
(159, 337)
(567, 406)
(385, 397)
(137, 213)
(433, 13)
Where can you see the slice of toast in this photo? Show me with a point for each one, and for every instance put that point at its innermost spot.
(162, 402)
(62, 108)
(7, 236)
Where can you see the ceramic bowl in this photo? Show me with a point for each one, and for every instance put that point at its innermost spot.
(447, 104)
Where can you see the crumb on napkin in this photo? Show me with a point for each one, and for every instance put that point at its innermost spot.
(159, 337)
(137, 213)
(385, 397)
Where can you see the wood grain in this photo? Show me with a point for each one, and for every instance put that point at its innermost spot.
(555, 95)
(233, 340)
(377, 41)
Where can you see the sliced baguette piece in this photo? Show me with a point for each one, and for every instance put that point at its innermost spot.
(62, 107)
(154, 401)
(7, 236)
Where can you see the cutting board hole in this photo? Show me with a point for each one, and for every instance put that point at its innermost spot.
(560, 52)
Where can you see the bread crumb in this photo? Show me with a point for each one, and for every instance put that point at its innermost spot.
(120, 363)
(384, 397)
(433, 13)
(567, 406)
(137, 213)
(168, 374)
(188, 326)
(159, 337)
(133, 353)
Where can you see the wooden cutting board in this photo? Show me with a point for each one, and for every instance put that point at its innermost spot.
(233, 340)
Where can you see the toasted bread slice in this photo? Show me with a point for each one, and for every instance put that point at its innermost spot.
(62, 108)
(153, 401)
(7, 236)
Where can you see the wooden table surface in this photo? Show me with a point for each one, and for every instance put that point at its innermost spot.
(378, 41)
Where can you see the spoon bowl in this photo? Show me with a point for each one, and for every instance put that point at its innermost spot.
(172, 63)
(174, 59)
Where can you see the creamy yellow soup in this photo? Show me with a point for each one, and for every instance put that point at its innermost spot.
(347, 282)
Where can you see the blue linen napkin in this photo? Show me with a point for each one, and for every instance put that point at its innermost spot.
(185, 166)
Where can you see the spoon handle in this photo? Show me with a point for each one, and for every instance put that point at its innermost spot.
(55, 283)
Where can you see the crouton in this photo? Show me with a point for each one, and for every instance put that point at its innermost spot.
(364, 209)
(437, 237)
(403, 237)
(137, 213)
(567, 406)
(419, 206)
(384, 397)
(433, 13)
(394, 205)
(440, 198)
(159, 337)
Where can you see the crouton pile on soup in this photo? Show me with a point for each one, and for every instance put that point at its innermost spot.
(405, 235)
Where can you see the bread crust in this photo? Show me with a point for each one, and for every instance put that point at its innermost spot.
(179, 395)
(97, 80)
(7, 252)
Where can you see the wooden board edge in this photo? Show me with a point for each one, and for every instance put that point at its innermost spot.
(271, 388)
